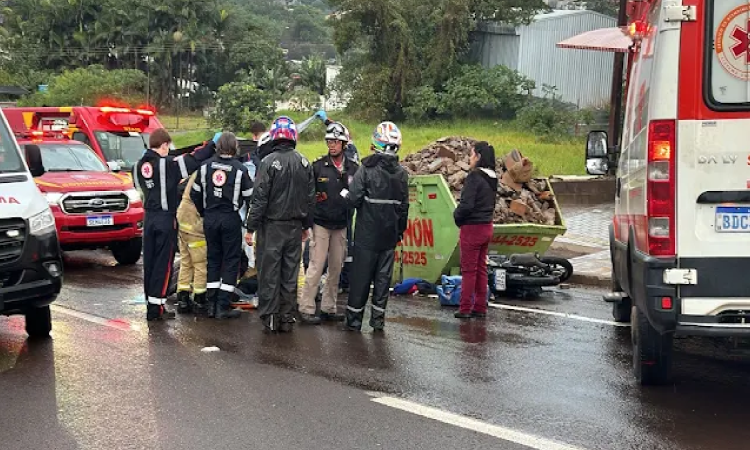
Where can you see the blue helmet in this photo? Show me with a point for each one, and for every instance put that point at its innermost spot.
(283, 128)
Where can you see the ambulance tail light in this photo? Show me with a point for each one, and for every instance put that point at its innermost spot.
(661, 187)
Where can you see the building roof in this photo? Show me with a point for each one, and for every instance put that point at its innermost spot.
(13, 90)
(563, 13)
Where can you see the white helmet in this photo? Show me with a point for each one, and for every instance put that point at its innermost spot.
(387, 138)
(264, 139)
(337, 132)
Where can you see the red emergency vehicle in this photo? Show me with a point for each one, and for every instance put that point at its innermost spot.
(119, 135)
(93, 206)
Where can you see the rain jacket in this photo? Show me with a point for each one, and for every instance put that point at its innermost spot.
(190, 222)
(380, 193)
(284, 188)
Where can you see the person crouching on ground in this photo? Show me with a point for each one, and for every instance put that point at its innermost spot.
(474, 216)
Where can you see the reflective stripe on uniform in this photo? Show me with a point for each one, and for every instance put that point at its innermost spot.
(227, 287)
(183, 167)
(197, 244)
(156, 300)
(183, 287)
(163, 183)
(377, 201)
(378, 309)
(199, 291)
(186, 227)
(196, 188)
(247, 193)
(354, 310)
(237, 187)
(136, 181)
(213, 285)
(204, 169)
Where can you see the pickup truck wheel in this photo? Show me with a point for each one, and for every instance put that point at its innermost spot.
(652, 351)
(39, 322)
(127, 253)
(622, 311)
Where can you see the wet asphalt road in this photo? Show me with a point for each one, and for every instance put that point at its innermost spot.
(109, 380)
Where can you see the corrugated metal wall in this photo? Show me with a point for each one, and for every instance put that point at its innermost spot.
(582, 77)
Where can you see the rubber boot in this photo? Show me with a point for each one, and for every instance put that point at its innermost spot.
(271, 323)
(211, 303)
(158, 312)
(200, 306)
(225, 312)
(183, 302)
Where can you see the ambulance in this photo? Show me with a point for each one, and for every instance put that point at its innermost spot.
(31, 268)
(119, 135)
(680, 237)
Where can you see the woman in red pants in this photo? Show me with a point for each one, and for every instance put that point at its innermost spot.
(474, 217)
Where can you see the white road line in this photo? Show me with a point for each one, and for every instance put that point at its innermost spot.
(111, 323)
(559, 314)
(505, 434)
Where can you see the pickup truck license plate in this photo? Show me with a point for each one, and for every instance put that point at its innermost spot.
(500, 280)
(733, 219)
(99, 221)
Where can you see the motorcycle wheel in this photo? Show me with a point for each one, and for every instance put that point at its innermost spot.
(559, 263)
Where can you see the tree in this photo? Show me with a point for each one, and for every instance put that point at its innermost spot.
(403, 44)
(608, 7)
(312, 74)
(239, 104)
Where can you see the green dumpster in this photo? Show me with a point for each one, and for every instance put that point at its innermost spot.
(430, 244)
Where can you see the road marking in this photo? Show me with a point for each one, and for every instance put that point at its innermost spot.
(559, 314)
(118, 324)
(505, 434)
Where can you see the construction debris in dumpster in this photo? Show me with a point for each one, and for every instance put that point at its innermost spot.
(520, 198)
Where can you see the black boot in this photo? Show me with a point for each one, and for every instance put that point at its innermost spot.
(310, 319)
(158, 312)
(286, 327)
(226, 312)
(270, 323)
(200, 306)
(331, 317)
(184, 305)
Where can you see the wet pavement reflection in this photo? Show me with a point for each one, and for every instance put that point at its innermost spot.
(550, 376)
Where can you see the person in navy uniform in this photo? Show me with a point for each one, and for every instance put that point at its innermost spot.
(157, 175)
(221, 189)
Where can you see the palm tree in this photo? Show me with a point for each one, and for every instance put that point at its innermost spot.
(312, 74)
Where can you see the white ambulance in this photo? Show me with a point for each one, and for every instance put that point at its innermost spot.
(680, 238)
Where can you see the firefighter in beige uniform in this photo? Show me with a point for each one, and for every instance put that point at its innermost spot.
(193, 256)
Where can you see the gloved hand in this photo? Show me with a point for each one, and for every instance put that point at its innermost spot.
(216, 137)
(321, 115)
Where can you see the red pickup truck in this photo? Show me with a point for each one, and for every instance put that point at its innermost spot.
(93, 207)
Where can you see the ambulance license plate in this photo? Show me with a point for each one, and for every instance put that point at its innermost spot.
(500, 280)
(99, 221)
(733, 219)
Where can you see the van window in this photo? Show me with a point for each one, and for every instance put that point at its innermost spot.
(728, 54)
(122, 147)
(70, 158)
(10, 160)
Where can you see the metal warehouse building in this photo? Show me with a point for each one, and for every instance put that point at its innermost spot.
(583, 78)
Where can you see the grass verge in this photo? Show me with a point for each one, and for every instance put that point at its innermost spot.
(559, 158)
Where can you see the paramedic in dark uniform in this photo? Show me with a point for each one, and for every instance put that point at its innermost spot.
(221, 189)
(283, 198)
(158, 176)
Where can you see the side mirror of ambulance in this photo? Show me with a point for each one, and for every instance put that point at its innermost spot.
(597, 162)
(114, 166)
(34, 160)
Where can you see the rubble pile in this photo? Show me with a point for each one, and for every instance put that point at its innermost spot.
(520, 198)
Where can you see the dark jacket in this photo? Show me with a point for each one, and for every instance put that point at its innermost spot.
(159, 178)
(284, 188)
(477, 205)
(380, 193)
(331, 209)
(222, 186)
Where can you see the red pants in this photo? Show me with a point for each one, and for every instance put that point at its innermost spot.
(474, 243)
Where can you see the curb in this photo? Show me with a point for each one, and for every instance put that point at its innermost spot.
(585, 279)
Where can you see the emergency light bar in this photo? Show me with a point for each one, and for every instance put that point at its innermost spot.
(117, 110)
(38, 135)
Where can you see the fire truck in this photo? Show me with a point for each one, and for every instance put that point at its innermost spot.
(93, 207)
(119, 135)
(680, 235)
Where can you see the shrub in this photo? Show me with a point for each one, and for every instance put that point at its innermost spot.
(551, 119)
(238, 105)
(90, 85)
